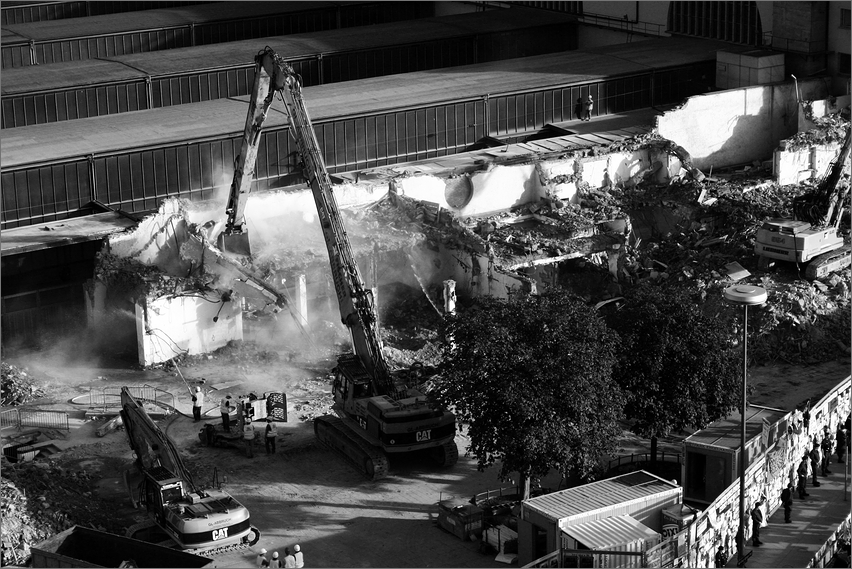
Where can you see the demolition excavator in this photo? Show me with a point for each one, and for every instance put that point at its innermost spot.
(373, 416)
(189, 518)
(812, 235)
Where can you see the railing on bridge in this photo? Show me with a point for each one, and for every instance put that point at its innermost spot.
(832, 545)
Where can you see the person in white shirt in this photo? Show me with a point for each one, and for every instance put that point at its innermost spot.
(300, 560)
(275, 563)
(289, 560)
(197, 403)
(271, 434)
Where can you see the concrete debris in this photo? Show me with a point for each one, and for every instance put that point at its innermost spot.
(17, 386)
(41, 499)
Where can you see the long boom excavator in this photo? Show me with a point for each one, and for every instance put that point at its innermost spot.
(812, 235)
(373, 416)
(202, 521)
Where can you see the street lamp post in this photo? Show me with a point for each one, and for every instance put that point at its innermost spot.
(744, 295)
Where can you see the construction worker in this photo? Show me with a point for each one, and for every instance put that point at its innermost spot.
(225, 410)
(289, 560)
(197, 403)
(300, 560)
(262, 561)
(827, 447)
(275, 563)
(248, 438)
(271, 434)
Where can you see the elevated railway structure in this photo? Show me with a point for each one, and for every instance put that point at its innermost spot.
(131, 161)
(75, 39)
(139, 81)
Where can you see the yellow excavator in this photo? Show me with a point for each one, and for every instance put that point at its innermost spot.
(374, 415)
(812, 235)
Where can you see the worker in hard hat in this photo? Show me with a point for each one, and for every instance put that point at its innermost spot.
(300, 560)
(275, 563)
(248, 438)
(262, 561)
(197, 403)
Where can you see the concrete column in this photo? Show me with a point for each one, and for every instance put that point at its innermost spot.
(302, 299)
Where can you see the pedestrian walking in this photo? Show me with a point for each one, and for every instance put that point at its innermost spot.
(802, 474)
(721, 558)
(827, 448)
(271, 434)
(289, 559)
(300, 560)
(262, 561)
(840, 442)
(787, 502)
(248, 439)
(756, 521)
(275, 563)
(225, 410)
(197, 403)
(588, 105)
(816, 459)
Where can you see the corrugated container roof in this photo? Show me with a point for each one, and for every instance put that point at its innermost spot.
(611, 532)
(725, 433)
(599, 495)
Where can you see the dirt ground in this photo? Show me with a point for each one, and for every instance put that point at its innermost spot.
(304, 493)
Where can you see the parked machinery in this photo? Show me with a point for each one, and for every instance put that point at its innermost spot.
(812, 235)
(196, 520)
(373, 415)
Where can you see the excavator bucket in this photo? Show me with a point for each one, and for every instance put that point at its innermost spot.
(235, 243)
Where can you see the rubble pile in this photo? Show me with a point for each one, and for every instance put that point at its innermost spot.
(17, 386)
(40, 499)
(127, 278)
(802, 322)
(828, 129)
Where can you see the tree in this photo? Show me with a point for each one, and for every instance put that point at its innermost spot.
(678, 367)
(532, 378)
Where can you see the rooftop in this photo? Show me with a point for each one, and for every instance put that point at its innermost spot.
(598, 495)
(725, 433)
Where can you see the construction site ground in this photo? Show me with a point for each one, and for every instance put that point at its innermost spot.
(303, 494)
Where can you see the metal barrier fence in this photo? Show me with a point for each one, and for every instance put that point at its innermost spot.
(110, 397)
(834, 543)
(34, 418)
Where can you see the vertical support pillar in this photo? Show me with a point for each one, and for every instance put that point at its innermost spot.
(302, 299)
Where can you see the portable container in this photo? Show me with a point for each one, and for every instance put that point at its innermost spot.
(641, 495)
(460, 519)
(84, 547)
(613, 535)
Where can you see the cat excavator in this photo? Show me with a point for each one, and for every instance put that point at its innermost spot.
(812, 235)
(181, 515)
(373, 415)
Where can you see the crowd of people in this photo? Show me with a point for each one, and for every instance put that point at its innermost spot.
(814, 462)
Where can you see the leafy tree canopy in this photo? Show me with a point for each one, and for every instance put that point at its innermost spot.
(677, 366)
(533, 379)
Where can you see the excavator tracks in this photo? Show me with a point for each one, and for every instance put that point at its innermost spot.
(369, 460)
(149, 532)
(447, 454)
(826, 263)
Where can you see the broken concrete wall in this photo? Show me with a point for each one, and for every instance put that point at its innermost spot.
(821, 108)
(169, 326)
(795, 166)
(156, 240)
(737, 126)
